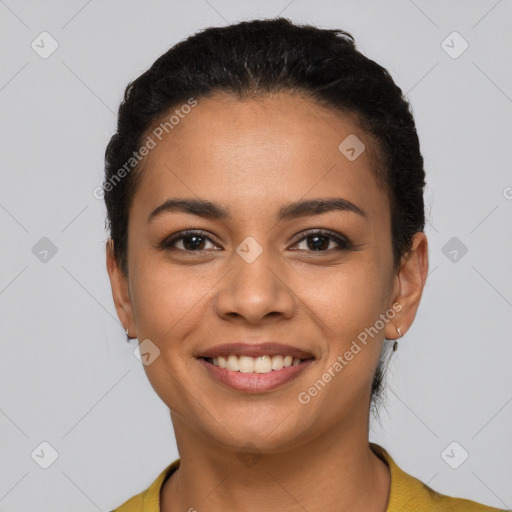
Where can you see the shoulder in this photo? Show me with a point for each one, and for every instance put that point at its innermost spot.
(149, 500)
(409, 494)
(132, 505)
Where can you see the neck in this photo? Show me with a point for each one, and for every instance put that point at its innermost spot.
(335, 472)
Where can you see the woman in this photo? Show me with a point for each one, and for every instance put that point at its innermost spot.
(264, 193)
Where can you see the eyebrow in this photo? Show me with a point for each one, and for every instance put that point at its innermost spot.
(210, 210)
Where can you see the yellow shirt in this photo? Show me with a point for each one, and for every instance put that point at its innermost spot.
(407, 494)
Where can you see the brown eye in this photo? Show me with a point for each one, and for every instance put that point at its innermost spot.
(321, 241)
(192, 241)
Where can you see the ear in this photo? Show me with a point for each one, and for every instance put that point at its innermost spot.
(409, 281)
(120, 290)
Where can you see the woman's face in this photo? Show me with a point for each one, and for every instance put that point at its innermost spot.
(261, 273)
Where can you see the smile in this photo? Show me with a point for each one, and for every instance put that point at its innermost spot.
(247, 364)
(262, 377)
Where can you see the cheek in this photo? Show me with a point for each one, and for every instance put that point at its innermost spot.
(167, 305)
(167, 300)
(347, 307)
(347, 299)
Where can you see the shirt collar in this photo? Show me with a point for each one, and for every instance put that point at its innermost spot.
(405, 490)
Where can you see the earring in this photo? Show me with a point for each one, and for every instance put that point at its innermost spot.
(395, 344)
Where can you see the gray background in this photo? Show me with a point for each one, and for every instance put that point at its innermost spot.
(68, 377)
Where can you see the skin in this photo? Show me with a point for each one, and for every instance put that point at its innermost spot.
(253, 157)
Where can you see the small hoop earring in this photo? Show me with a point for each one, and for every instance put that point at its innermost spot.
(395, 344)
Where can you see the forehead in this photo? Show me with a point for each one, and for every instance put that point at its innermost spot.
(257, 151)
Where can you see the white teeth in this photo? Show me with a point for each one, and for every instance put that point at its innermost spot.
(277, 362)
(262, 364)
(245, 364)
(232, 363)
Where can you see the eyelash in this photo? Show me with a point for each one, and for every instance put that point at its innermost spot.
(343, 243)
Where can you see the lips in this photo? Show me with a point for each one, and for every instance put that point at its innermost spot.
(255, 350)
(261, 378)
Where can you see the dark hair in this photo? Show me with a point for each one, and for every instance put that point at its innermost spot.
(255, 58)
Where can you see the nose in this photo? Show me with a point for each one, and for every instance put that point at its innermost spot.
(255, 290)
